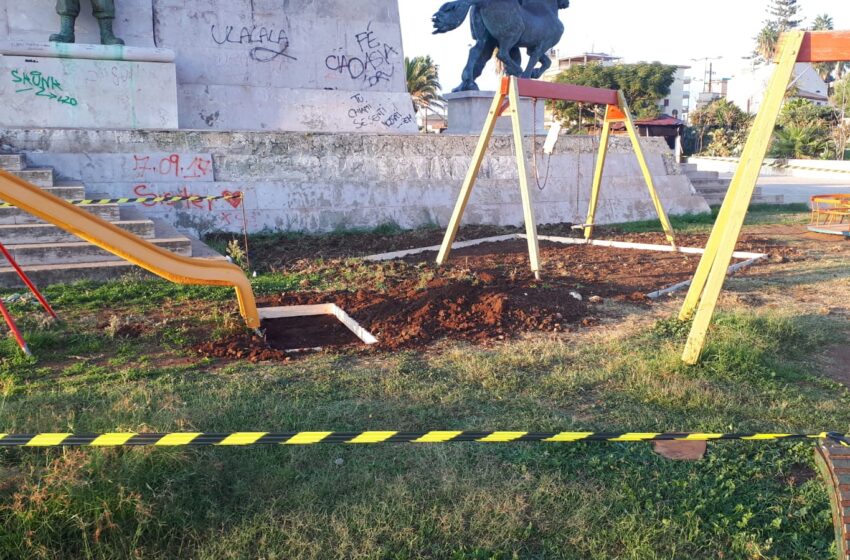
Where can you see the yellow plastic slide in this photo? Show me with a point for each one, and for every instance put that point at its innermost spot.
(177, 269)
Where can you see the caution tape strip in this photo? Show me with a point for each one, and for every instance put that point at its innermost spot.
(244, 439)
(144, 200)
(781, 165)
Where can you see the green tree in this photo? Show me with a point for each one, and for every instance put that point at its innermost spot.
(805, 130)
(824, 22)
(799, 142)
(785, 14)
(841, 97)
(423, 82)
(766, 42)
(643, 85)
(724, 124)
(803, 113)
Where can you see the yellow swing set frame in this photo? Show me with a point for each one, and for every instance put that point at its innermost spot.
(506, 102)
(701, 301)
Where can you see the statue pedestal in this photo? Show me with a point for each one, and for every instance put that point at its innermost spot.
(54, 85)
(467, 111)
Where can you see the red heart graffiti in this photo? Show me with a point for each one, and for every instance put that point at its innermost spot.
(236, 201)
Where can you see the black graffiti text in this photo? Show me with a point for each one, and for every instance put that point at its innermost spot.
(268, 43)
(375, 63)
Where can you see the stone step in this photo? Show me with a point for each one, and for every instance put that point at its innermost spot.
(757, 199)
(48, 275)
(698, 175)
(711, 183)
(102, 271)
(12, 162)
(38, 176)
(48, 233)
(722, 191)
(8, 216)
(68, 191)
(37, 254)
(688, 167)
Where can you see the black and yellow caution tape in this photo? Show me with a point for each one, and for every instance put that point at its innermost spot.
(145, 200)
(245, 439)
(781, 164)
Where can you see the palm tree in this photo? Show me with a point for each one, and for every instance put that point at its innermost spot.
(799, 142)
(824, 22)
(766, 42)
(423, 82)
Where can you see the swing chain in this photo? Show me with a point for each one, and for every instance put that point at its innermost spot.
(534, 165)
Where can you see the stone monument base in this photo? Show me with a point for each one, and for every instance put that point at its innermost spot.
(324, 182)
(467, 111)
(58, 85)
(229, 107)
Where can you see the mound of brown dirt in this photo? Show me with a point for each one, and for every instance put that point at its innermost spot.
(247, 347)
(406, 316)
(487, 292)
(478, 310)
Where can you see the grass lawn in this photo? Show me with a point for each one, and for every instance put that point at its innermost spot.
(123, 359)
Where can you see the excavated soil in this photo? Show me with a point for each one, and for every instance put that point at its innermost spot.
(486, 293)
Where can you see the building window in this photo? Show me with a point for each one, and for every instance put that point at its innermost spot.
(666, 102)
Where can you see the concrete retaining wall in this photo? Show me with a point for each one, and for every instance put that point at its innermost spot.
(306, 182)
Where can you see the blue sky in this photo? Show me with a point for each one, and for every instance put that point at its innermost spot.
(670, 31)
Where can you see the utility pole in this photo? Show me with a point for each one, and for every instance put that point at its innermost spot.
(708, 74)
(710, 81)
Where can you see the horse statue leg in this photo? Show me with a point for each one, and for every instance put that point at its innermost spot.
(479, 55)
(535, 55)
(507, 50)
(516, 55)
(545, 64)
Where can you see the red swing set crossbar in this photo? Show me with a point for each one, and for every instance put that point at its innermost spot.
(16, 333)
(537, 89)
(565, 92)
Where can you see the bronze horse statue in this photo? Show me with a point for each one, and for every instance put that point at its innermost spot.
(508, 25)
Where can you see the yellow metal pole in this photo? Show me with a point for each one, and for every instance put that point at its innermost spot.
(471, 177)
(743, 185)
(656, 200)
(597, 175)
(522, 168)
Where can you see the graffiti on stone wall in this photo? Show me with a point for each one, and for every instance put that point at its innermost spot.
(35, 83)
(116, 75)
(374, 62)
(267, 43)
(212, 213)
(365, 114)
(172, 166)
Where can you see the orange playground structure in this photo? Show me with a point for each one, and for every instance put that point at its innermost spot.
(175, 268)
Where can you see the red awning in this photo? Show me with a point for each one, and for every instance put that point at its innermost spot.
(663, 120)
